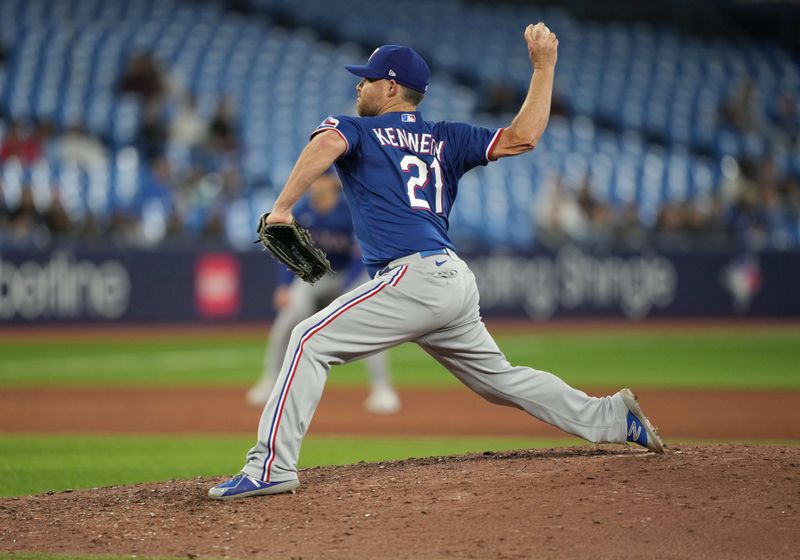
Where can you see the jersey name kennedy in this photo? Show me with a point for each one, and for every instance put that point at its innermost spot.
(419, 143)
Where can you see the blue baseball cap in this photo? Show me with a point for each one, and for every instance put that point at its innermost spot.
(394, 62)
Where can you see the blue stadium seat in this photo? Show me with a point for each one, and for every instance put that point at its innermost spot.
(638, 80)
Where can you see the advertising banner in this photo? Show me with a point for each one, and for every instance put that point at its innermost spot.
(81, 286)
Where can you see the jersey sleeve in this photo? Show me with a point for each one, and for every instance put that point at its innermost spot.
(470, 145)
(283, 276)
(345, 127)
(301, 210)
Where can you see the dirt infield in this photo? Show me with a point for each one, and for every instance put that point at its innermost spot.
(680, 415)
(723, 501)
(719, 501)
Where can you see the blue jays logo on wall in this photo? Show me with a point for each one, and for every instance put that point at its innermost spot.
(743, 279)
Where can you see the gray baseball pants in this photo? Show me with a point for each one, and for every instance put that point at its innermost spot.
(305, 299)
(434, 304)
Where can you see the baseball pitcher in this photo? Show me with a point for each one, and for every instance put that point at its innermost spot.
(400, 175)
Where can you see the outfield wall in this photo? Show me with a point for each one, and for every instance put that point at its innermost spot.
(81, 286)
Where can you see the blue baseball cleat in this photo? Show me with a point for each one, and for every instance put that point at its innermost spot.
(242, 485)
(640, 430)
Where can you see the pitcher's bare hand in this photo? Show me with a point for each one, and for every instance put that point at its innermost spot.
(542, 46)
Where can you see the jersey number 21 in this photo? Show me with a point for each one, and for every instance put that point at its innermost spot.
(421, 181)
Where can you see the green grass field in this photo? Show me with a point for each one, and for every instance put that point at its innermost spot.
(719, 358)
(742, 358)
(71, 462)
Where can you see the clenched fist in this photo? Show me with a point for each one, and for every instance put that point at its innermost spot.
(542, 45)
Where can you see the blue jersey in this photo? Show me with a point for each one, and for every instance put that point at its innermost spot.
(400, 176)
(333, 233)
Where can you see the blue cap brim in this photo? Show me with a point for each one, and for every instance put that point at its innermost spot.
(363, 71)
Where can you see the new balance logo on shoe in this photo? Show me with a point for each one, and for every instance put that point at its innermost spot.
(640, 430)
(634, 432)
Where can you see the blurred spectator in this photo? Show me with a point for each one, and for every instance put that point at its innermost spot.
(87, 229)
(222, 134)
(57, 221)
(562, 216)
(156, 182)
(232, 182)
(669, 227)
(144, 78)
(557, 216)
(777, 211)
(791, 196)
(694, 221)
(716, 233)
(786, 118)
(151, 141)
(78, 146)
(502, 98)
(201, 203)
(220, 152)
(740, 111)
(762, 210)
(22, 141)
(187, 128)
(25, 222)
(629, 230)
(691, 224)
(599, 216)
(47, 137)
(123, 229)
(214, 227)
(157, 204)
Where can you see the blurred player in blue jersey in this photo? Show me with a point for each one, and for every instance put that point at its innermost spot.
(400, 175)
(324, 212)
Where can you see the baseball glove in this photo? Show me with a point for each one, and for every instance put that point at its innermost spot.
(292, 245)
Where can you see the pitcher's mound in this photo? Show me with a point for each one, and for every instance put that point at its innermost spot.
(722, 501)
